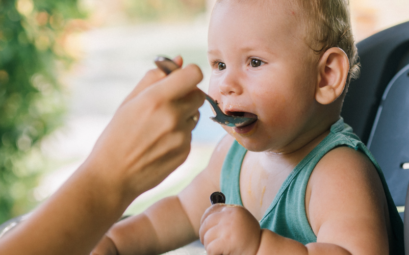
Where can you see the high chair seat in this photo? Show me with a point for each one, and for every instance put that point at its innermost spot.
(389, 138)
(377, 108)
(382, 56)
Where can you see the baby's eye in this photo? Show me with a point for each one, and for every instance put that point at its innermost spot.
(256, 62)
(221, 66)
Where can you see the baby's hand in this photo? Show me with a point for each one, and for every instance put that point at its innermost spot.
(229, 229)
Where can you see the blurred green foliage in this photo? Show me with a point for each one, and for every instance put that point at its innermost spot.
(164, 10)
(31, 102)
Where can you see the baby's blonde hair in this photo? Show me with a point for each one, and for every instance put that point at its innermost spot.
(329, 25)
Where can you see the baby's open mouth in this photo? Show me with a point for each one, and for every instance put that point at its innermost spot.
(245, 115)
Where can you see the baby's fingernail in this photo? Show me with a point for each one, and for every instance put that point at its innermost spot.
(217, 198)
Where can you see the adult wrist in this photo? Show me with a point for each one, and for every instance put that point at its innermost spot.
(106, 184)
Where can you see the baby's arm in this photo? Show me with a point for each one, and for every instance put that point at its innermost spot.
(171, 222)
(346, 208)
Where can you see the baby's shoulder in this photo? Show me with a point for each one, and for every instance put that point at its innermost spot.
(346, 163)
(344, 181)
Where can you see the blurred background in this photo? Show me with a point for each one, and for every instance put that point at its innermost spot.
(65, 66)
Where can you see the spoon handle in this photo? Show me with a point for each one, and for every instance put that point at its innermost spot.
(215, 106)
(167, 66)
(217, 198)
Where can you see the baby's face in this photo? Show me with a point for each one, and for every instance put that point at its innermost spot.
(262, 66)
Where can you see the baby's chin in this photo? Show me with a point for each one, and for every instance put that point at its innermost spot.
(251, 143)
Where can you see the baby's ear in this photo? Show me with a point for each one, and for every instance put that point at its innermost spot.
(333, 69)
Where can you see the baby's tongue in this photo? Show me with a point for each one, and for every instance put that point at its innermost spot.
(249, 115)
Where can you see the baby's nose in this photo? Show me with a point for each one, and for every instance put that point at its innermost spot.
(230, 85)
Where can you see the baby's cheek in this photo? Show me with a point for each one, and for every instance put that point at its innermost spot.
(214, 87)
(271, 106)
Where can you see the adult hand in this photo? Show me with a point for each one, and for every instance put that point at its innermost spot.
(150, 133)
(148, 137)
(229, 229)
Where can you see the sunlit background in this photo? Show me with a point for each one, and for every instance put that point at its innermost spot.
(104, 49)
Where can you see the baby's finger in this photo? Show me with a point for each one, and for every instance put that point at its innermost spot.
(211, 237)
(209, 222)
(216, 247)
(212, 209)
(180, 82)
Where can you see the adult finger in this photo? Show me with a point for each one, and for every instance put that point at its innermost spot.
(155, 75)
(192, 121)
(180, 83)
(151, 77)
(178, 60)
(189, 104)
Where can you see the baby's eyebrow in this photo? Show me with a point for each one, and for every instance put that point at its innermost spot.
(213, 51)
(245, 49)
(257, 49)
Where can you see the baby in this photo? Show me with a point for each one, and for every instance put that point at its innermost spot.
(297, 181)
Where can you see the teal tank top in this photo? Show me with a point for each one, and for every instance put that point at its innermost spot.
(286, 214)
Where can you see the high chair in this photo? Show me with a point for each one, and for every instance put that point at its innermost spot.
(377, 108)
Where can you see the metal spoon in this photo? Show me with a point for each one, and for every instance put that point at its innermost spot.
(167, 66)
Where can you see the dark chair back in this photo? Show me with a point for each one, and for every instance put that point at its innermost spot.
(382, 56)
(375, 104)
(377, 108)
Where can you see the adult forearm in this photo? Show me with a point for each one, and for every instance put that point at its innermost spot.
(272, 243)
(71, 221)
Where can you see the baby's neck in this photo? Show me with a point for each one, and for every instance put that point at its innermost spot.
(299, 149)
